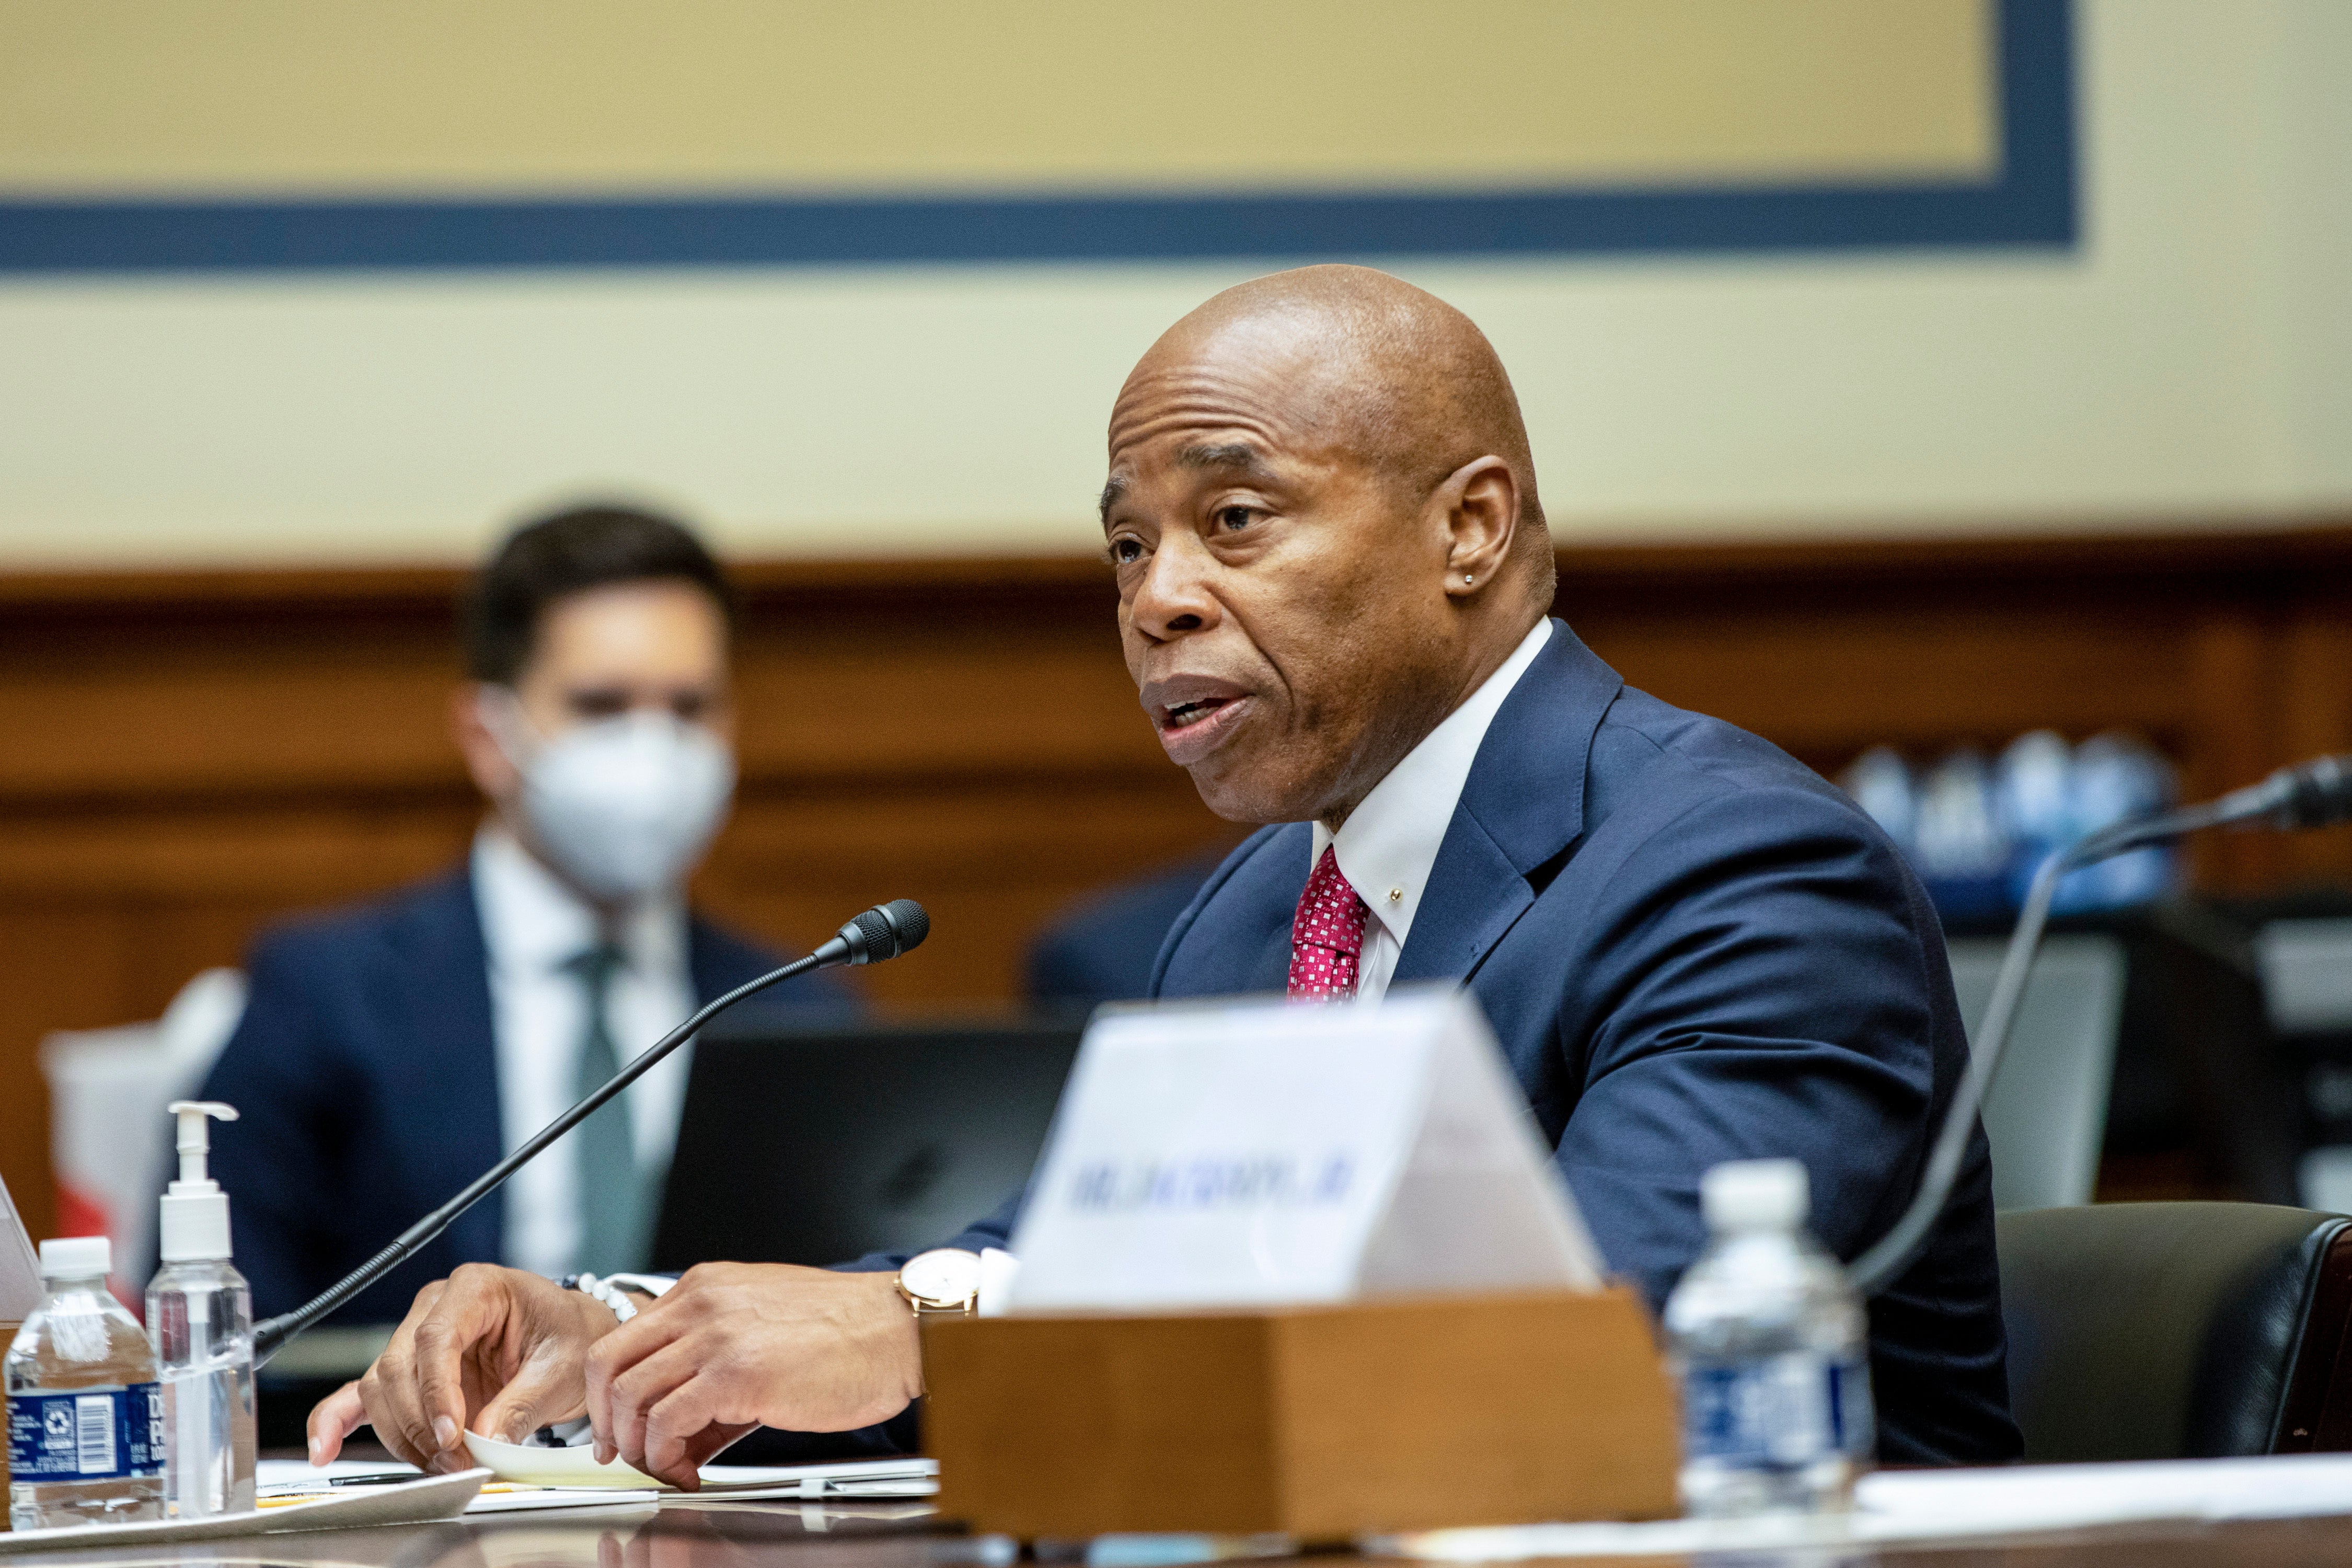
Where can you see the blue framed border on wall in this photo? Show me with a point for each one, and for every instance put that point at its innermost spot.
(2033, 202)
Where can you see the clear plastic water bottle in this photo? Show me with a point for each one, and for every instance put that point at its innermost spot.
(1881, 783)
(85, 1433)
(2117, 777)
(1772, 1349)
(200, 1313)
(2033, 790)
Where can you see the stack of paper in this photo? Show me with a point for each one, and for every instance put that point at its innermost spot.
(521, 1477)
(1946, 1505)
(422, 1499)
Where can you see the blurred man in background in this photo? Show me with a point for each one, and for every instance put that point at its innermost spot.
(392, 1052)
(1100, 950)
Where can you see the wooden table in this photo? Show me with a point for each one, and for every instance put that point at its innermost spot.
(868, 1535)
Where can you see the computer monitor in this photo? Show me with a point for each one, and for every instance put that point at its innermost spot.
(817, 1147)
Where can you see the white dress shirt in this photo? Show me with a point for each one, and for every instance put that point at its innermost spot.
(1390, 842)
(533, 926)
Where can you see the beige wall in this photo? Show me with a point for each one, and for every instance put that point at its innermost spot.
(2193, 360)
(585, 95)
(2312, 198)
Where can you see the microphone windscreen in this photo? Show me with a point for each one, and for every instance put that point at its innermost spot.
(914, 922)
(889, 929)
(2319, 792)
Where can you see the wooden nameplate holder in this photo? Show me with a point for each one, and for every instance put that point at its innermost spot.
(1319, 1422)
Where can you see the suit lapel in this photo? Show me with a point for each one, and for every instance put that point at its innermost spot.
(1239, 941)
(1270, 973)
(439, 1010)
(1262, 949)
(1475, 893)
(1521, 806)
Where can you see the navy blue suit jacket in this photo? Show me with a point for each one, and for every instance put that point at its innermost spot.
(1692, 950)
(365, 1078)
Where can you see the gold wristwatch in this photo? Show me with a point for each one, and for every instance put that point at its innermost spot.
(942, 1282)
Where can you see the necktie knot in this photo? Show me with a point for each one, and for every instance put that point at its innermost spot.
(1327, 935)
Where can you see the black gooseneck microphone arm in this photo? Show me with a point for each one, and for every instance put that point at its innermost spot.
(882, 932)
(2312, 795)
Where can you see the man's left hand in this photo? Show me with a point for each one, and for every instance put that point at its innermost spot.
(736, 1345)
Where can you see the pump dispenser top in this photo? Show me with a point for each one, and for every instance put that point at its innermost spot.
(195, 1210)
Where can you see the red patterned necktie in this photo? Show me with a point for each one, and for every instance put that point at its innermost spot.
(1327, 935)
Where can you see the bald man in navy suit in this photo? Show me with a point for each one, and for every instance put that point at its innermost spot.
(1334, 581)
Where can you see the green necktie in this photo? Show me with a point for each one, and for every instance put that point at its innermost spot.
(612, 1199)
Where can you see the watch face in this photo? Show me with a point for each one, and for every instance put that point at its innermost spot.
(945, 1276)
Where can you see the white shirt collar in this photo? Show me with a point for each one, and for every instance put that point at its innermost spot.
(533, 924)
(1390, 842)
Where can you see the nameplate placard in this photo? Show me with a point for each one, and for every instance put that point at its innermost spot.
(20, 1269)
(1265, 1153)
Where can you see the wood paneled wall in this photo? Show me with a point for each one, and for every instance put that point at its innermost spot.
(190, 755)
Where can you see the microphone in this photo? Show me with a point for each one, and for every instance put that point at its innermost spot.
(2310, 794)
(882, 932)
(886, 931)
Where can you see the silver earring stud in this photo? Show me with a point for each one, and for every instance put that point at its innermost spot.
(1467, 578)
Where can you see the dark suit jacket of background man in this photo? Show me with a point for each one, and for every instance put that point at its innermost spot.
(1692, 950)
(365, 1074)
(1102, 948)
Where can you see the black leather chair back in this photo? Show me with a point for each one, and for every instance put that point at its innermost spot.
(2177, 1330)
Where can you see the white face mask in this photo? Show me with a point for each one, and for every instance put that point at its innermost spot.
(623, 805)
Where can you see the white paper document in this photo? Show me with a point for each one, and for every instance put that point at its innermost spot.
(534, 1466)
(572, 1481)
(419, 1501)
(1263, 1153)
(1945, 1505)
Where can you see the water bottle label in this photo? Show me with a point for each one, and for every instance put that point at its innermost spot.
(1781, 1411)
(87, 1434)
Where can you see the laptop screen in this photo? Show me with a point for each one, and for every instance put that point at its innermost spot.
(821, 1147)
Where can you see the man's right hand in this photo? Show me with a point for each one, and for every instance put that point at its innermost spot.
(497, 1351)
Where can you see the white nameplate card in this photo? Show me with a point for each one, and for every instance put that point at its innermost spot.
(1265, 1152)
(20, 1271)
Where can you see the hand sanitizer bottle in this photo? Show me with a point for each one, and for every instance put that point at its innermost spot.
(200, 1314)
(1772, 1349)
(85, 1443)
